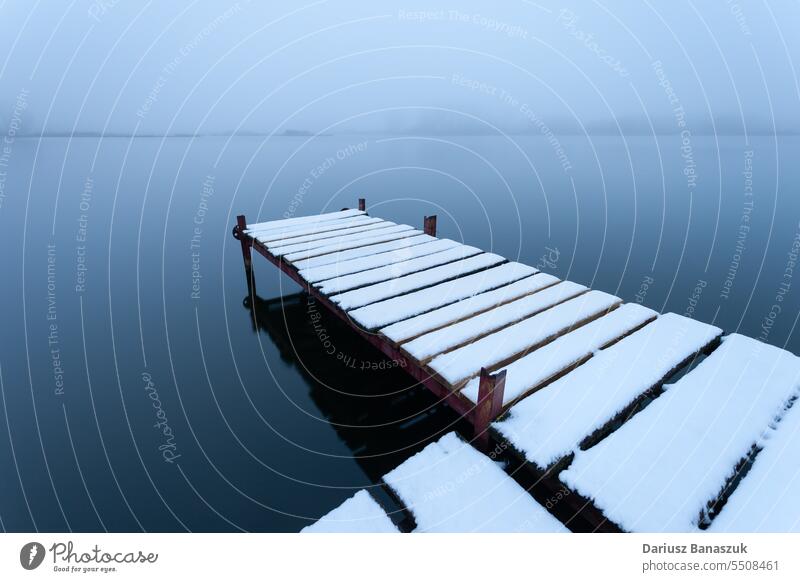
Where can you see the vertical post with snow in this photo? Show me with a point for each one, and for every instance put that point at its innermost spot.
(490, 403)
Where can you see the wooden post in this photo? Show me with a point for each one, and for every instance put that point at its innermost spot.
(238, 232)
(490, 403)
(362, 204)
(429, 225)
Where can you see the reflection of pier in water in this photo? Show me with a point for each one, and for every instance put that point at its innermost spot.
(376, 408)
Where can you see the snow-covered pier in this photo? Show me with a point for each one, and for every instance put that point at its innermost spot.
(570, 384)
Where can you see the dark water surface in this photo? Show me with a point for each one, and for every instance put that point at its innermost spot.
(137, 392)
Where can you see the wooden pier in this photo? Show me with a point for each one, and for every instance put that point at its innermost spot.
(567, 381)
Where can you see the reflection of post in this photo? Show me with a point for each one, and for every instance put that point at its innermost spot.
(490, 403)
(362, 204)
(239, 233)
(429, 225)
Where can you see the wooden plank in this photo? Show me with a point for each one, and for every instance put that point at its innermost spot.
(414, 327)
(540, 367)
(299, 234)
(466, 331)
(768, 497)
(383, 313)
(302, 220)
(451, 487)
(317, 275)
(427, 278)
(386, 234)
(309, 239)
(341, 237)
(358, 514)
(396, 269)
(664, 468)
(361, 252)
(508, 344)
(581, 404)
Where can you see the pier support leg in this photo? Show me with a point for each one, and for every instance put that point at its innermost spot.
(238, 233)
(490, 403)
(429, 225)
(362, 204)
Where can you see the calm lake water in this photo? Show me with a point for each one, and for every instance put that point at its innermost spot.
(138, 395)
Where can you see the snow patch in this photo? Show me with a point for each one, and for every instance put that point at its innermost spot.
(358, 514)
(451, 487)
(660, 469)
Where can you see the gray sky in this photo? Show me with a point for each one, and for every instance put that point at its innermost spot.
(121, 66)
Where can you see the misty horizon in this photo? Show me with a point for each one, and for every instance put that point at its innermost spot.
(114, 69)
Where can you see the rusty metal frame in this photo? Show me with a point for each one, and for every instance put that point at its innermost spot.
(490, 396)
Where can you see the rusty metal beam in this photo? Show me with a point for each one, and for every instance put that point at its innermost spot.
(441, 391)
(490, 393)
(247, 243)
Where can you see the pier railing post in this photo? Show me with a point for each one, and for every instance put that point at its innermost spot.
(238, 232)
(362, 204)
(429, 225)
(490, 403)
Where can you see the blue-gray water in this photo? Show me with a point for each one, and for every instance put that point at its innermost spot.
(136, 393)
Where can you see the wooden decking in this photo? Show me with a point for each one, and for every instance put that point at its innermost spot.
(561, 375)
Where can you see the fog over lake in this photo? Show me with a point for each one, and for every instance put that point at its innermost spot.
(646, 150)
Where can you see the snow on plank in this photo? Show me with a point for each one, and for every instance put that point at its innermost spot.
(398, 308)
(416, 326)
(362, 252)
(327, 229)
(355, 241)
(767, 500)
(395, 270)
(313, 240)
(358, 514)
(659, 471)
(349, 267)
(534, 370)
(451, 487)
(447, 338)
(343, 236)
(316, 218)
(502, 347)
(550, 424)
(394, 287)
(304, 229)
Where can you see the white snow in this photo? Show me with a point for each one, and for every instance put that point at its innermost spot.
(397, 308)
(316, 218)
(452, 336)
(415, 326)
(536, 368)
(362, 252)
(551, 423)
(358, 514)
(659, 470)
(461, 364)
(394, 287)
(305, 230)
(768, 498)
(342, 237)
(395, 270)
(386, 234)
(451, 487)
(357, 265)
(278, 240)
